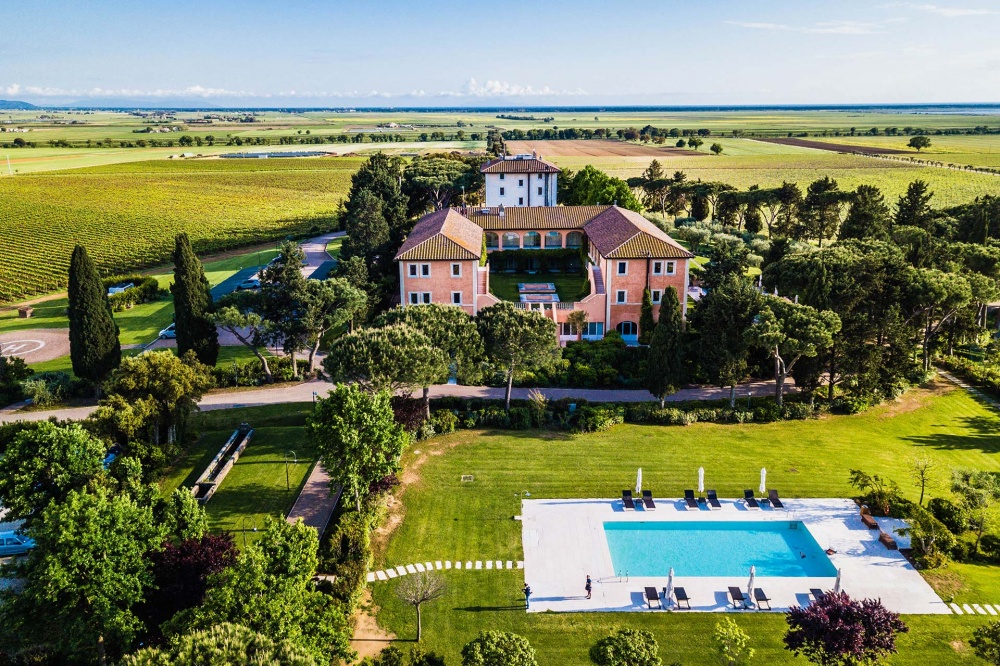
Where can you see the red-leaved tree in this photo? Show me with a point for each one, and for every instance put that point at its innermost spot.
(839, 631)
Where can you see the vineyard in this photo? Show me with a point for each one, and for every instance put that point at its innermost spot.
(127, 214)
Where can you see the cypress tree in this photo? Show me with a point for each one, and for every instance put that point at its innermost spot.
(646, 323)
(666, 351)
(94, 347)
(193, 305)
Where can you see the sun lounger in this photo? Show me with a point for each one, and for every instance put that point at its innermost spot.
(886, 540)
(713, 500)
(817, 593)
(647, 500)
(739, 601)
(772, 495)
(749, 499)
(651, 596)
(868, 520)
(760, 598)
(627, 501)
(681, 596)
(690, 501)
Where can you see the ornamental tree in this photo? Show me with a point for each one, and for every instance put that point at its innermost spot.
(449, 328)
(836, 630)
(732, 643)
(980, 491)
(646, 322)
(788, 331)
(516, 340)
(418, 589)
(919, 142)
(328, 305)
(282, 295)
(238, 314)
(626, 647)
(94, 347)
(46, 462)
(357, 437)
(193, 305)
(665, 367)
(498, 648)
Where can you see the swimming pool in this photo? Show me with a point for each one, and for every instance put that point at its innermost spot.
(710, 548)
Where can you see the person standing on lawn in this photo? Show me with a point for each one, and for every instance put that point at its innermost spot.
(527, 596)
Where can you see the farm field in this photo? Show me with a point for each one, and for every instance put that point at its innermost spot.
(961, 150)
(127, 215)
(444, 518)
(597, 148)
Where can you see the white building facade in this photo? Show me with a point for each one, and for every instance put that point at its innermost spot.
(520, 180)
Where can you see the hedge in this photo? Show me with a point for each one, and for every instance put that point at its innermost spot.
(146, 289)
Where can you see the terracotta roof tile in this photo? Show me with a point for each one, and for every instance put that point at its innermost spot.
(619, 233)
(534, 217)
(442, 235)
(529, 165)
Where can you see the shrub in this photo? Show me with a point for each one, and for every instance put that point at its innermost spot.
(599, 418)
(444, 421)
(949, 513)
(146, 289)
(931, 540)
(47, 388)
(519, 418)
(797, 411)
(347, 555)
(990, 544)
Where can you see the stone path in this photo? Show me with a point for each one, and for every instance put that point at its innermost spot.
(976, 393)
(438, 565)
(975, 609)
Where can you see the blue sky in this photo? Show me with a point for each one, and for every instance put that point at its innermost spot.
(554, 52)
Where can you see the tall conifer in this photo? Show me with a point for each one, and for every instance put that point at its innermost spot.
(193, 305)
(93, 335)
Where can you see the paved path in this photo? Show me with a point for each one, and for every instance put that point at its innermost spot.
(317, 257)
(976, 393)
(305, 392)
(438, 565)
(317, 501)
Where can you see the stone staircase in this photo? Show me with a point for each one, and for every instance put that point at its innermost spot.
(598, 281)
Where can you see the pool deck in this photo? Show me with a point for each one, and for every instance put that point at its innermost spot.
(564, 542)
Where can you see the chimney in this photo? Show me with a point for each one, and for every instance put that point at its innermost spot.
(500, 211)
(534, 154)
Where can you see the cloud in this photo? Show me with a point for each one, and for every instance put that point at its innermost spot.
(820, 28)
(493, 88)
(947, 12)
(12, 89)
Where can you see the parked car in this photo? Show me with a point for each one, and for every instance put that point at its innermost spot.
(12, 544)
(170, 332)
(249, 283)
(119, 288)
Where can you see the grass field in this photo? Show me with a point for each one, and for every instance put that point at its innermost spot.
(255, 488)
(443, 518)
(570, 287)
(127, 215)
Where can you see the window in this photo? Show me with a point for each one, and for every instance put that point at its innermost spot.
(418, 297)
(594, 329)
(501, 176)
(553, 239)
(532, 239)
(657, 294)
(413, 270)
(574, 239)
(456, 297)
(657, 268)
(622, 268)
(539, 176)
(501, 191)
(425, 270)
(520, 182)
(621, 296)
(539, 190)
(567, 329)
(670, 268)
(511, 241)
(456, 270)
(627, 328)
(492, 241)
(520, 201)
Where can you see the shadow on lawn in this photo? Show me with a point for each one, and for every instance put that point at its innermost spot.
(232, 503)
(983, 436)
(536, 434)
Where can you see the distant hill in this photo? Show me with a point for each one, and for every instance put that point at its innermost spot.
(10, 104)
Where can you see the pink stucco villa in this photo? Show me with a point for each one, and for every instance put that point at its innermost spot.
(621, 252)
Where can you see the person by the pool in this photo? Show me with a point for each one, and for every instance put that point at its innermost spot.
(588, 586)
(527, 596)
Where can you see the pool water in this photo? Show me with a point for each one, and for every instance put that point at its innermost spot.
(710, 548)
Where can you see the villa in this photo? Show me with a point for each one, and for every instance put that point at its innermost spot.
(524, 233)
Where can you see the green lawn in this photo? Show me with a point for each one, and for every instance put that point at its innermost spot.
(255, 487)
(448, 519)
(333, 247)
(570, 287)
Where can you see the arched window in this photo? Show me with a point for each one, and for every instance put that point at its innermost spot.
(511, 241)
(627, 328)
(532, 240)
(492, 241)
(553, 239)
(574, 239)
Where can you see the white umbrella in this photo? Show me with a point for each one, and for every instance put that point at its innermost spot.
(836, 586)
(670, 588)
(763, 480)
(753, 576)
(701, 479)
(638, 481)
